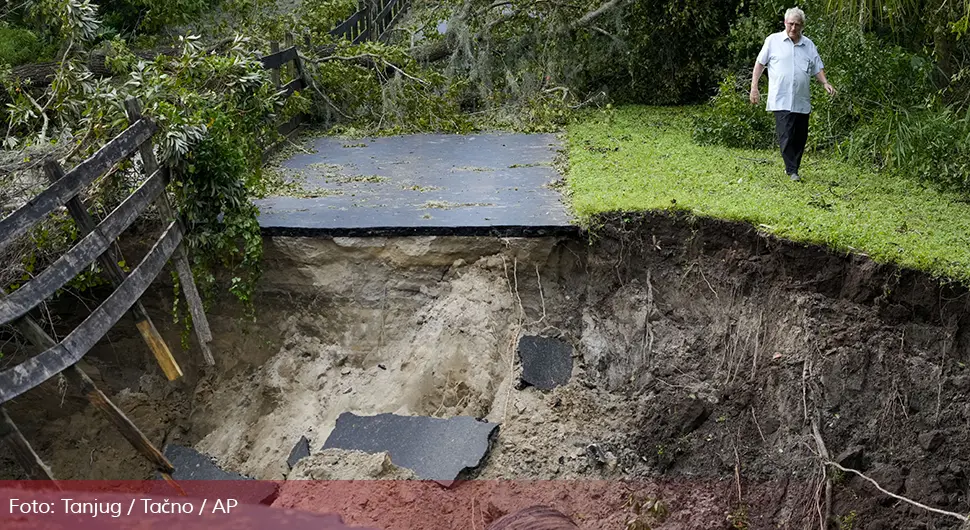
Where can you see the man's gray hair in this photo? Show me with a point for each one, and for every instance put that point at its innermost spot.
(795, 13)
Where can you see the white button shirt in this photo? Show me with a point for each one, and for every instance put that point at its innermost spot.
(790, 70)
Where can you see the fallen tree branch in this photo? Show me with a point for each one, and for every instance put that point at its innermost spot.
(313, 85)
(964, 518)
(616, 40)
(42, 74)
(369, 59)
(588, 18)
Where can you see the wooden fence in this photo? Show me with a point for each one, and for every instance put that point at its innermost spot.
(371, 22)
(99, 242)
(286, 63)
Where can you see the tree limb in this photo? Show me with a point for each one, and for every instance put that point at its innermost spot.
(954, 515)
(588, 18)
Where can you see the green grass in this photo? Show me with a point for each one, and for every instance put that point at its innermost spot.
(642, 158)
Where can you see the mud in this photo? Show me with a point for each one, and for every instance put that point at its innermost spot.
(706, 354)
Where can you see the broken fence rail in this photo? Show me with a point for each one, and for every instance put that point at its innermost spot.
(98, 243)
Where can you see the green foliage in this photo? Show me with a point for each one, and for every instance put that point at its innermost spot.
(732, 121)
(848, 521)
(211, 188)
(46, 242)
(119, 57)
(70, 20)
(216, 111)
(318, 17)
(149, 16)
(928, 144)
(217, 115)
(677, 49)
(18, 46)
(379, 86)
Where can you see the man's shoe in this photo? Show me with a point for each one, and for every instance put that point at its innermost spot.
(795, 177)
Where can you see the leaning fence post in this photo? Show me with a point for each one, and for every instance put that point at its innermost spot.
(274, 47)
(23, 453)
(288, 43)
(109, 262)
(192, 298)
(76, 376)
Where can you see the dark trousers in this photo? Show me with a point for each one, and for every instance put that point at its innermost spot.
(792, 131)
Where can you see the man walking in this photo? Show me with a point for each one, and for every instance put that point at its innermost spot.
(792, 60)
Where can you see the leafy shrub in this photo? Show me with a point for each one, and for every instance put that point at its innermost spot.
(18, 46)
(130, 16)
(732, 120)
(321, 16)
(871, 76)
(931, 144)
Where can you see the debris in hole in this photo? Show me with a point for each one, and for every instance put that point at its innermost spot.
(435, 449)
(535, 517)
(300, 450)
(602, 455)
(191, 465)
(546, 362)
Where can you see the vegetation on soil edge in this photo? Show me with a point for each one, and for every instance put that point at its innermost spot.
(642, 158)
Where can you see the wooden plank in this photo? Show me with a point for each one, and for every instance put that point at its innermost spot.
(129, 430)
(386, 18)
(399, 8)
(34, 371)
(288, 43)
(19, 222)
(199, 321)
(344, 28)
(277, 58)
(86, 251)
(275, 71)
(293, 86)
(109, 263)
(23, 453)
(76, 376)
(300, 71)
(291, 125)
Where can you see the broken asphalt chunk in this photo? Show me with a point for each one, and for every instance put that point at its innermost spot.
(300, 450)
(434, 448)
(195, 471)
(546, 362)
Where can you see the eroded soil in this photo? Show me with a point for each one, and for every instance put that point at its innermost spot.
(704, 355)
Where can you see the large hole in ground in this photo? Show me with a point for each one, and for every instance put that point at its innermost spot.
(703, 352)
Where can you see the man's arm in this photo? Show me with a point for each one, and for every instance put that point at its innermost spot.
(755, 95)
(821, 79)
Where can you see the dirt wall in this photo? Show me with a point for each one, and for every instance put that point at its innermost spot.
(705, 353)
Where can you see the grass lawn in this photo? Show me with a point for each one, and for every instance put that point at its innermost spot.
(642, 158)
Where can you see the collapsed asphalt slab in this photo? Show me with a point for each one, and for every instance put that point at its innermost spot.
(546, 362)
(195, 472)
(434, 448)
